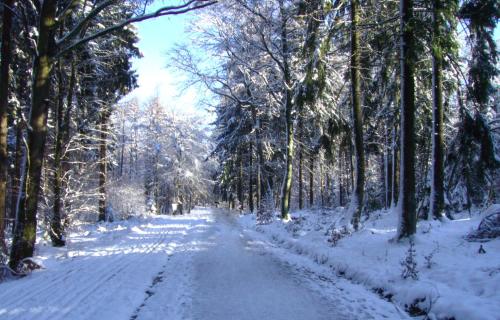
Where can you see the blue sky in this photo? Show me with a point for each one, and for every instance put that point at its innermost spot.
(157, 37)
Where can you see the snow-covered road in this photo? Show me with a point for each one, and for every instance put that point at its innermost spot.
(197, 266)
(235, 279)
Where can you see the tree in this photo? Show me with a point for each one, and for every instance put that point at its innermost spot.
(286, 190)
(48, 48)
(482, 17)
(443, 15)
(8, 8)
(357, 114)
(406, 202)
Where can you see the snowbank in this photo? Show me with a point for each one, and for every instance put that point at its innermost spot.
(454, 279)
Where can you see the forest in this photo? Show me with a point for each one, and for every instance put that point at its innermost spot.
(349, 108)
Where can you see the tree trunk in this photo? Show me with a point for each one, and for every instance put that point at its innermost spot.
(23, 243)
(260, 164)
(122, 149)
(395, 168)
(16, 171)
(103, 165)
(437, 187)
(287, 179)
(321, 182)
(250, 179)
(56, 231)
(60, 164)
(239, 188)
(388, 172)
(311, 179)
(350, 182)
(6, 51)
(357, 113)
(260, 157)
(340, 177)
(406, 202)
(301, 200)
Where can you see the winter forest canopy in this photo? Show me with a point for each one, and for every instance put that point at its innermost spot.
(320, 104)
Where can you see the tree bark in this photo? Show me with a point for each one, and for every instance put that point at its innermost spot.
(259, 184)
(63, 118)
(395, 168)
(6, 51)
(357, 113)
(260, 164)
(301, 197)
(56, 231)
(122, 147)
(437, 187)
(340, 177)
(240, 180)
(103, 164)
(321, 182)
(311, 179)
(388, 171)
(287, 179)
(16, 171)
(406, 202)
(250, 179)
(23, 243)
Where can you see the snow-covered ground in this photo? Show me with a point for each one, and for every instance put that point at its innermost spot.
(110, 271)
(454, 281)
(197, 266)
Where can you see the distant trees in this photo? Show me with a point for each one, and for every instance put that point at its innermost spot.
(366, 108)
(166, 153)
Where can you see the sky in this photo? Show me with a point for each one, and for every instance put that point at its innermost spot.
(157, 37)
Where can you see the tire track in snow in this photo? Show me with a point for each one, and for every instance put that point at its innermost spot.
(38, 290)
(106, 269)
(89, 290)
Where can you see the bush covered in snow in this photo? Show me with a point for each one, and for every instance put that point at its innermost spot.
(126, 200)
(265, 212)
(489, 227)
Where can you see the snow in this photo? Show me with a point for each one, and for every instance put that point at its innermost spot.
(198, 266)
(460, 283)
(237, 277)
(212, 264)
(105, 272)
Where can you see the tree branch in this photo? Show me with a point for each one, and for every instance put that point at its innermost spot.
(170, 10)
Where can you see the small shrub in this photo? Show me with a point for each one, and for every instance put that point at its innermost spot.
(337, 234)
(429, 258)
(4, 269)
(409, 263)
(265, 212)
(295, 225)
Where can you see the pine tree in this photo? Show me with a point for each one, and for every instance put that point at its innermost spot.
(443, 15)
(6, 51)
(357, 114)
(406, 202)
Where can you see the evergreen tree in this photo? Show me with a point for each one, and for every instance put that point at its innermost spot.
(406, 202)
